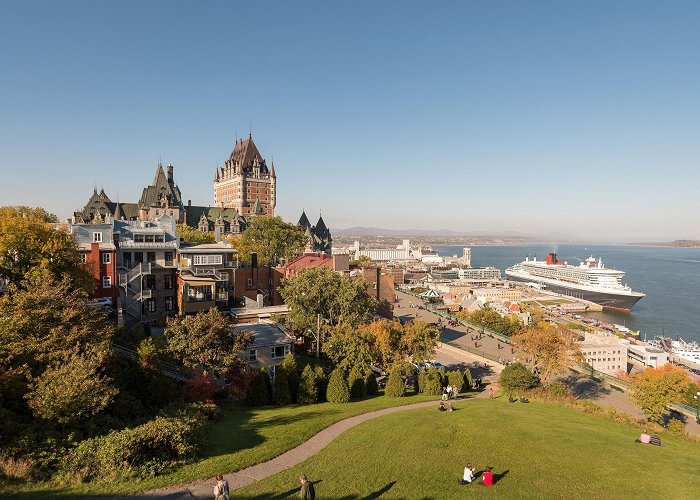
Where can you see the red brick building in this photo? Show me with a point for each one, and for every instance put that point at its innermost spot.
(97, 249)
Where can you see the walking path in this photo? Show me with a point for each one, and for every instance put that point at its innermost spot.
(254, 473)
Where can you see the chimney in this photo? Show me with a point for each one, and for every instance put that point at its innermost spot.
(170, 173)
(189, 203)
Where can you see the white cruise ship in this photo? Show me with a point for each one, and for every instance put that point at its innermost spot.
(590, 280)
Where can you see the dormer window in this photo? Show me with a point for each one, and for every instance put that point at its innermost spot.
(97, 237)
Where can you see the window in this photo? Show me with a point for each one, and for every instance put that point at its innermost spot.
(279, 351)
(169, 304)
(159, 238)
(168, 258)
(151, 282)
(83, 258)
(97, 237)
(106, 258)
(250, 281)
(252, 355)
(138, 257)
(106, 282)
(150, 305)
(203, 260)
(138, 238)
(168, 281)
(149, 238)
(150, 256)
(224, 277)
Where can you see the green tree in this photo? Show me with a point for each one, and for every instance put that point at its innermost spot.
(371, 384)
(258, 393)
(490, 319)
(431, 382)
(281, 394)
(31, 240)
(272, 239)
(420, 341)
(516, 379)
(456, 379)
(193, 235)
(289, 364)
(206, 340)
(348, 346)
(356, 381)
(321, 383)
(395, 387)
(321, 291)
(655, 389)
(338, 390)
(362, 261)
(468, 379)
(71, 391)
(308, 386)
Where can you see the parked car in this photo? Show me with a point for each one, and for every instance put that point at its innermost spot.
(378, 370)
(101, 302)
(435, 364)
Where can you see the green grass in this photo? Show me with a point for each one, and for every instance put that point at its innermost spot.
(540, 450)
(245, 436)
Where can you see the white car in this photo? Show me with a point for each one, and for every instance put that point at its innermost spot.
(101, 302)
(435, 364)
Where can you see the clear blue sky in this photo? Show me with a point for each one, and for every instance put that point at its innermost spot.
(575, 117)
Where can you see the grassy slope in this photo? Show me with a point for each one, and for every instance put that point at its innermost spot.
(244, 437)
(548, 452)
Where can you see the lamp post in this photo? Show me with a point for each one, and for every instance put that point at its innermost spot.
(697, 408)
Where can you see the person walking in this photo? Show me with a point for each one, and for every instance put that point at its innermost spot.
(491, 393)
(449, 392)
(221, 488)
(307, 491)
(444, 394)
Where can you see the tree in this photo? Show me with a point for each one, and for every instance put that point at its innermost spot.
(321, 291)
(70, 391)
(348, 346)
(395, 387)
(488, 318)
(431, 382)
(362, 261)
(321, 383)
(30, 240)
(456, 379)
(420, 340)
(468, 378)
(308, 386)
(289, 364)
(206, 340)
(258, 393)
(516, 379)
(371, 384)
(388, 339)
(356, 381)
(193, 235)
(281, 394)
(549, 350)
(338, 390)
(272, 239)
(655, 389)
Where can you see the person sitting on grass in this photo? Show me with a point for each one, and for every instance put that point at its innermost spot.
(644, 438)
(468, 475)
(487, 477)
(449, 406)
(442, 406)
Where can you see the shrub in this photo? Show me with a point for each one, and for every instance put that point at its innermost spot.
(468, 378)
(201, 387)
(675, 426)
(208, 410)
(143, 451)
(290, 365)
(456, 379)
(281, 394)
(338, 390)
(516, 378)
(16, 468)
(371, 384)
(432, 383)
(308, 386)
(558, 390)
(395, 387)
(258, 393)
(322, 383)
(420, 380)
(356, 381)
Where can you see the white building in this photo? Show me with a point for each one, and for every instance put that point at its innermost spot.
(605, 353)
(479, 273)
(647, 355)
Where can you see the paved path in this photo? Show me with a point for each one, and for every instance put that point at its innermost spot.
(205, 488)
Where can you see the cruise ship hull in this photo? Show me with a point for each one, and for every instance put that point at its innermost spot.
(612, 300)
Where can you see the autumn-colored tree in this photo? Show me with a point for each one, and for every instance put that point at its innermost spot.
(193, 235)
(420, 340)
(206, 340)
(30, 240)
(489, 318)
(396, 342)
(347, 346)
(272, 239)
(655, 389)
(321, 291)
(549, 350)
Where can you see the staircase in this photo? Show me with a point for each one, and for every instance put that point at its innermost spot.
(132, 293)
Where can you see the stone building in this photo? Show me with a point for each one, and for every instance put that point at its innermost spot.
(319, 237)
(244, 182)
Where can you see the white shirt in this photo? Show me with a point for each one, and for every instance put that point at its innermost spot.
(468, 475)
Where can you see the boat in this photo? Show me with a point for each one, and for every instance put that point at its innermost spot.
(690, 351)
(590, 280)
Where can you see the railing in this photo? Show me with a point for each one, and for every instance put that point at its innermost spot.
(205, 297)
(146, 294)
(168, 369)
(611, 379)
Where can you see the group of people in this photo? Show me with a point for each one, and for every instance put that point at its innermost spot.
(448, 408)
(450, 392)
(307, 492)
(470, 475)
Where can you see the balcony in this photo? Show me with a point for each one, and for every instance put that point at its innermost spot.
(201, 297)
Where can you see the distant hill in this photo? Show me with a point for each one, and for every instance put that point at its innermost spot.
(675, 243)
(361, 231)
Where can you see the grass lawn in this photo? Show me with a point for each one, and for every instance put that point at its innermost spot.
(538, 450)
(245, 436)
